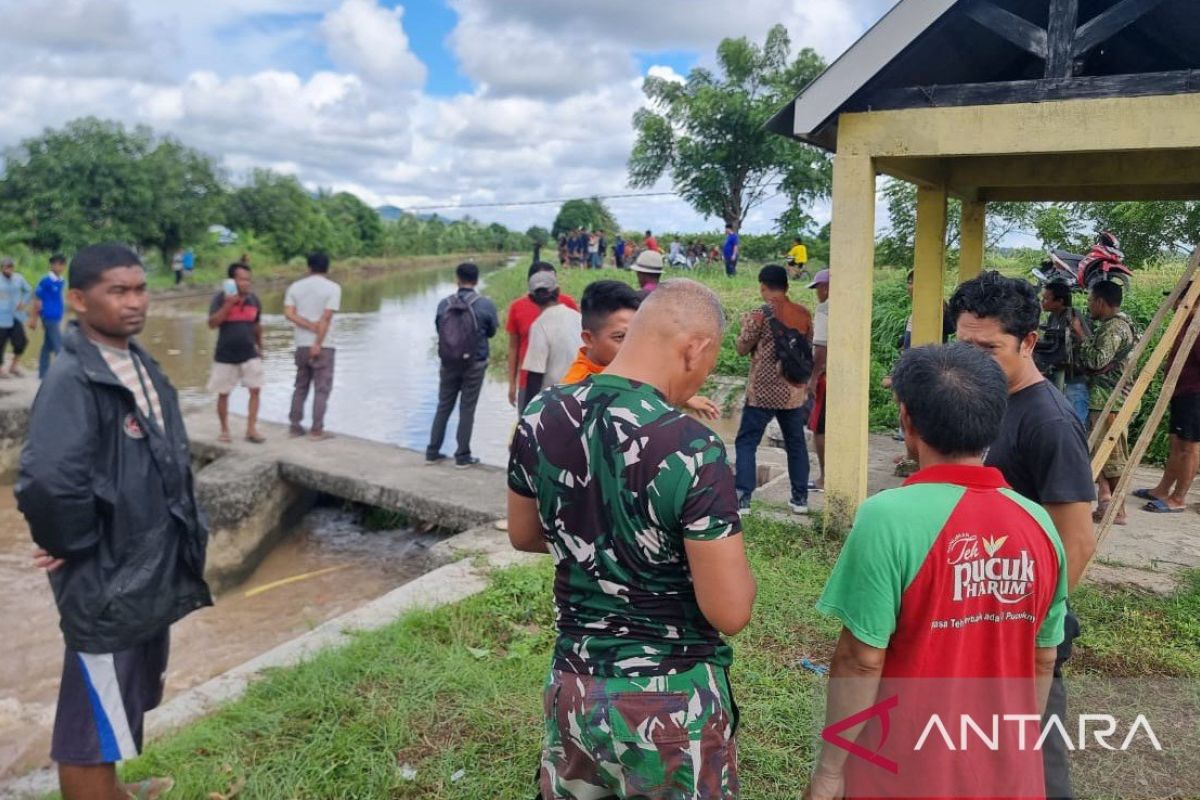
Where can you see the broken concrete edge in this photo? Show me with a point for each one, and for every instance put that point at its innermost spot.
(455, 581)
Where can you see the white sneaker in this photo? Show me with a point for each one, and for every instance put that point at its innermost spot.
(798, 508)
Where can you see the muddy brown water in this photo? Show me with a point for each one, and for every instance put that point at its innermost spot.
(385, 389)
(386, 375)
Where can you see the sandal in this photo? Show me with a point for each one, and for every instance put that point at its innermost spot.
(256, 438)
(149, 789)
(1157, 506)
(225, 438)
(1143, 494)
(1101, 507)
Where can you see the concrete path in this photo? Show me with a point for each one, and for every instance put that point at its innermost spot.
(1148, 553)
(375, 474)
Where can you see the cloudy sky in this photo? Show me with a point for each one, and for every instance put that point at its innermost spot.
(413, 103)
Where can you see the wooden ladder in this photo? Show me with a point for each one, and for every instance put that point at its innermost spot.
(1187, 294)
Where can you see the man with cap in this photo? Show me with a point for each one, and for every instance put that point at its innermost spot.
(816, 422)
(522, 313)
(649, 269)
(554, 337)
(15, 295)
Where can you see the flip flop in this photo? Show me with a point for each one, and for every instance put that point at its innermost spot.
(256, 439)
(1101, 507)
(1143, 494)
(150, 789)
(1161, 507)
(225, 438)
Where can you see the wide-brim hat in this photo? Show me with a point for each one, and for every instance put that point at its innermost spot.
(650, 262)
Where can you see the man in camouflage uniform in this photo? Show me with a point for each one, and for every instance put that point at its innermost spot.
(1104, 354)
(636, 503)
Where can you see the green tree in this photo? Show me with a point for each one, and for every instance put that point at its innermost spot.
(537, 234)
(895, 247)
(359, 225)
(708, 133)
(589, 214)
(95, 180)
(279, 210)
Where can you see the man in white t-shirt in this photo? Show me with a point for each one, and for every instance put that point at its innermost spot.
(309, 305)
(553, 339)
(816, 422)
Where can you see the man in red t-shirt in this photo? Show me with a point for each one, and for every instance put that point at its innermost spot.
(952, 595)
(1170, 496)
(522, 313)
(651, 243)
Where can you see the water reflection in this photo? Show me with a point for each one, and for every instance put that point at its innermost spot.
(385, 384)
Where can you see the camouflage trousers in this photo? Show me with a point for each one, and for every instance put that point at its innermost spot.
(1120, 454)
(669, 737)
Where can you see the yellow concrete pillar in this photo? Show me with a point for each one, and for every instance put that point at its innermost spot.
(852, 266)
(971, 239)
(929, 265)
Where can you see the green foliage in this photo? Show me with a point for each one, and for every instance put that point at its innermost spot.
(591, 215)
(708, 134)
(537, 234)
(97, 181)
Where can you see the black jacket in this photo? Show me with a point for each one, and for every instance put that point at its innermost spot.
(111, 493)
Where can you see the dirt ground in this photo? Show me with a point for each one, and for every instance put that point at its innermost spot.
(1148, 553)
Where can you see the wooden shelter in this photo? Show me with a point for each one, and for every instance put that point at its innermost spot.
(986, 100)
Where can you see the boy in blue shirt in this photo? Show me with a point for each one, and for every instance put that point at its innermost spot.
(48, 306)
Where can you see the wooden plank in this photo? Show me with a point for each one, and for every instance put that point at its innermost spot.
(971, 240)
(1103, 27)
(1152, 422)
(852, 262)
(1167, 306)
(1103, 447)
(1076, 194)
(1064, 16)
(929, 266)
(1034, 91)
(1017, 30)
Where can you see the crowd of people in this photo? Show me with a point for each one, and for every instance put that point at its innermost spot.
(963, 572)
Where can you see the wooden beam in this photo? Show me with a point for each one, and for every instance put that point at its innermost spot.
(1107, 25)
(1034, 91)
(1002, 22)
(971, 239)
(1146, 124)
(1092, 194)
(1064, 16)
(929, 266)
(852, 261)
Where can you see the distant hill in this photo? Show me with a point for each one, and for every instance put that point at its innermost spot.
(390, 213)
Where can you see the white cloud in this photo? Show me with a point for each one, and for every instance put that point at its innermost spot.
(368, 39)
(330, 90)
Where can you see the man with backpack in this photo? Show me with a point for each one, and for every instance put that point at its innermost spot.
(778, 339)
(465, 321)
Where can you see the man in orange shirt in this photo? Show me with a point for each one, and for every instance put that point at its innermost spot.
(608, 308)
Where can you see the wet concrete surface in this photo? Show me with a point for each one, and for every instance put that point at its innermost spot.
(352, 566)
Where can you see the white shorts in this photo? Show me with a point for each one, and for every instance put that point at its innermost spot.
(226, 377)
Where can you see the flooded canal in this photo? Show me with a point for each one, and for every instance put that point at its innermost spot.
(386, 379)
(346, 566)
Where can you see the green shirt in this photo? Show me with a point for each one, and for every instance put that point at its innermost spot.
(1105, 354)
(621, 480)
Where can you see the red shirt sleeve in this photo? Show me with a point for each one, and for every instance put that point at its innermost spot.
(568, 301)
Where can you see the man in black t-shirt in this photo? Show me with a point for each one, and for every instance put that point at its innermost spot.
(237, 315)
(1042, 450)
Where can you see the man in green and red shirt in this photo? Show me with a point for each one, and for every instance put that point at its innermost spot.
(952, 592)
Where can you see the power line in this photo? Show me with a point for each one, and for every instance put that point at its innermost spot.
(539, 202)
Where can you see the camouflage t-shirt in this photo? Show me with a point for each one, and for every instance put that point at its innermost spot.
(621, 479)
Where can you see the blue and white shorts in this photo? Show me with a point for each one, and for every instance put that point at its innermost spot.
(103, 700)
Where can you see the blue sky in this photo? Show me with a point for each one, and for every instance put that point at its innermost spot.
(403, 102)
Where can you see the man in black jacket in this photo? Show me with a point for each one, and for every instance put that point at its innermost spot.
(106, 486)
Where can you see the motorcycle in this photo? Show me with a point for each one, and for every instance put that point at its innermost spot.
(1104, 262)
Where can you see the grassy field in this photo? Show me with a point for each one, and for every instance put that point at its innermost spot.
(401, 711)
(891, 311)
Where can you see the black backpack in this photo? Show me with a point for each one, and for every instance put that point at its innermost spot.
(793, 350)
(458, 332)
